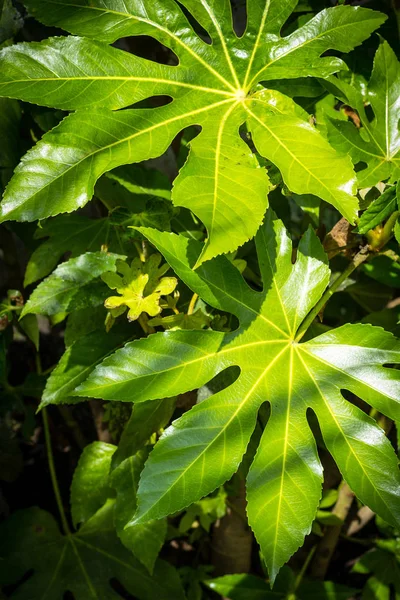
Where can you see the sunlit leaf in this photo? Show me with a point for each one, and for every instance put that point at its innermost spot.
(203, 448)
(216, 86)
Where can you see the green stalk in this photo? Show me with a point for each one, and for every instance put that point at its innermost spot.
(358, 259)
(53, 474)
(292, 594)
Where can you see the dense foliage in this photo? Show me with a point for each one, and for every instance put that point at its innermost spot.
(199, 262)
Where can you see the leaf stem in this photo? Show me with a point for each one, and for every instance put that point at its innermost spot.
(292, 594)
(53, 473)
(358, 259)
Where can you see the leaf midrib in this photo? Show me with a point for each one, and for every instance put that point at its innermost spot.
(121, 141)
(182, 365)
(170, 82)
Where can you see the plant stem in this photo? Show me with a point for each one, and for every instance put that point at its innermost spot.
(53, 474)
(358, 259)
(192, 304)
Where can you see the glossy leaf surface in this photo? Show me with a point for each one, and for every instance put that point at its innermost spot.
(89, 488)
(214, 85)
(79, 360)
(75, 284)
(205, 446)
(243, 587)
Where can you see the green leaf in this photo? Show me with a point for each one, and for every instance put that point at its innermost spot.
(82, 563)
(146, 418)
(300, 152)
(214, 86)
(29, 324)
(67, 233)
(10, 21)
(244, 587)
(377, 143)
(384, 568)
(378, 211)
(74, 285)
(89, 488)
(203, 448)
(79, 360)
(82, 322)
(145, 540)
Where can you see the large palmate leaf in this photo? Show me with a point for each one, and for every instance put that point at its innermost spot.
(205, 446)
(83, 563)
(377, 143)
(214, 85)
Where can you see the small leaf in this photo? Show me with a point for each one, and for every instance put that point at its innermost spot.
(378, 211)
(30, 326)
(243, 587)
(79, 360)
(385, 270)
(89, 488)
(146, 418)
(73, 285)
(146, 540)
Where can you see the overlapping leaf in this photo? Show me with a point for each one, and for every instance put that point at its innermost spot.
(377, 143)
(89, 488)
(214, 85)
(205, 446)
